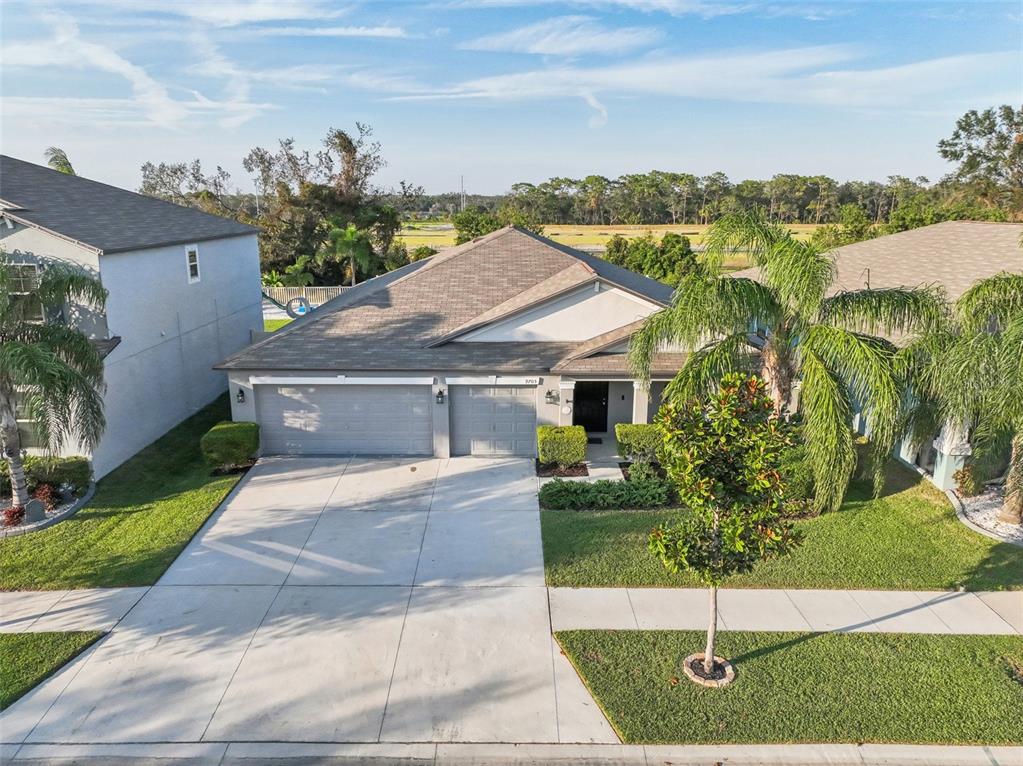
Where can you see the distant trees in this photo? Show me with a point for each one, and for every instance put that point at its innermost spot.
(303, 198)
(476, 222)
(668, 260)
(988, 146)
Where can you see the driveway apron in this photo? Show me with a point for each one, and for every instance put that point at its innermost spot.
(337, 600)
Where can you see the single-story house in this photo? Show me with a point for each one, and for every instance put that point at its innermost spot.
(184, 291)
(954, 255)
(464, 353)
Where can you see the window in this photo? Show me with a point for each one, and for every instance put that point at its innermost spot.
(26, 427)
(24, 286)
(192, 259)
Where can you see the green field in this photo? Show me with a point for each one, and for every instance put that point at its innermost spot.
(30, 658)
(807, 687)
(269, 325)
(439, 235)
(907, 539)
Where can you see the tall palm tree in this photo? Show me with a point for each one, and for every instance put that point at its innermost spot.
(49, 369)
(968, 372)
(57, 159)
(792, 325)
(349, 244)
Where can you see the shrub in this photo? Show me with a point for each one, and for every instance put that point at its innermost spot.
(604, 495)
(11, 517)
(230, 443)
(968, 481)
(638, 441)
(73, 471)
(48, 495)
(564, 445)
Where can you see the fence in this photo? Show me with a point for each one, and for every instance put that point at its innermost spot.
(315, 295)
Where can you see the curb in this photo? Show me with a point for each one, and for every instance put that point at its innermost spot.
(960, 510)
(78, 505)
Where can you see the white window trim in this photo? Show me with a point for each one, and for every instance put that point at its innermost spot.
(188, 265)
(35, 266)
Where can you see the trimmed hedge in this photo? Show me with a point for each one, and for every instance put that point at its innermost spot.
(797, 474)
(604, 495)
(230, 443)
(638, 441)
(56, 471)
(564, 445)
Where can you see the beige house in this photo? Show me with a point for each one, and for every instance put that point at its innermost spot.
(464, 353)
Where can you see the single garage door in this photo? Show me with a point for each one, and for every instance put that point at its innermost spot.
(346, 420)
(493, 420)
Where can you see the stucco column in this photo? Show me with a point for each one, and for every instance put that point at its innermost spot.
(441, 419)
(566, 388)
(640, 401)
(953, 447)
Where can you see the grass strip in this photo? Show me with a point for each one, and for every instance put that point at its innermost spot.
(28, 659)
(807, 687)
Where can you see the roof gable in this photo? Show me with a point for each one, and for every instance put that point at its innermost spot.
(100, 217)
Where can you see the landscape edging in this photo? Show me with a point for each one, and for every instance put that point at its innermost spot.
(960, 510)
(25, 529)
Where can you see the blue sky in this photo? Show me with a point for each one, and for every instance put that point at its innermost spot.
(507, 90)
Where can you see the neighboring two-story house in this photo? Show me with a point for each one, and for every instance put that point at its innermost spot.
(184, 292)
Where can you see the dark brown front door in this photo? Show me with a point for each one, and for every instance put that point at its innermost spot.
(589, 408)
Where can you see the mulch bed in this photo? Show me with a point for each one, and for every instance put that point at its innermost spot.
(231, 470)
(545, 470)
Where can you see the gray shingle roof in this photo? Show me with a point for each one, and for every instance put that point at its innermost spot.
(102, 217)
(394, 322)
(953, 254)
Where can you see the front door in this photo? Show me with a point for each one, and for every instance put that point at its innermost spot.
(590, 405)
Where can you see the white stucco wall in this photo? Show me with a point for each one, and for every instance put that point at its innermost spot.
(172, 333)
(579, 315)
(24, 244)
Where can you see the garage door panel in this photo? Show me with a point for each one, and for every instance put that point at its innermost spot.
(361, 420)
(493, 420)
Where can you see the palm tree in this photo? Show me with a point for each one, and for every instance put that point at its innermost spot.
(57, 159)
(968, 372)
(793, 325)
(349, 244)
(50, 370)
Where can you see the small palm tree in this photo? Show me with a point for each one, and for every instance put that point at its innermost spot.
(968, 372)
(50, 370)
(792, 325)
(57, 159)
(348, 244)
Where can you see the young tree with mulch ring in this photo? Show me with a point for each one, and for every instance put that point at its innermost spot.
(723, 455)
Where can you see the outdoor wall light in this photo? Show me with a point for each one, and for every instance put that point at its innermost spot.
(551, 397)
(440, 396)
(240, 398)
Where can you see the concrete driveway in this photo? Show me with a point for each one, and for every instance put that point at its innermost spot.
(338, 600)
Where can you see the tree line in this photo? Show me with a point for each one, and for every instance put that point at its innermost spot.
(324, 220)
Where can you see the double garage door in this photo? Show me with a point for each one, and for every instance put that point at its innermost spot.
(395, 420)
(346, 420)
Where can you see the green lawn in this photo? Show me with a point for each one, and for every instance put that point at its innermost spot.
(30, 658)
(909, 539)
(807, 687)
(269, 325)
(140, 518)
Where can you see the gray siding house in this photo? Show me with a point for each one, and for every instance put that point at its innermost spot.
(184, 292)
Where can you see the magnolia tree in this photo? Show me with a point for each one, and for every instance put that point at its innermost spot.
(722, 454)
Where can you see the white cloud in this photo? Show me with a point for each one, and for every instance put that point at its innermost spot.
(566, 36)
(352, 31)
(67, 49)
(807, 75)
(704, 8)
(229, 13)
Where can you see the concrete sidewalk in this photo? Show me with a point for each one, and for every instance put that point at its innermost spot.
(992, 613)
(998, 613)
